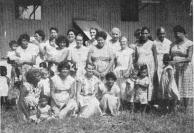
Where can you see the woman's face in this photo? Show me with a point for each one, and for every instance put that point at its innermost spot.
(93, 33)
(161, 35)
(100, 41)
(89, 70)
(110, 82)
(178, 36)
(144, 35)
(53, 33)
(71, 36)
(123, 42)
(37, 37)
(14, 46)
(64, 72)
(79, 41)
(115, 35)
(24, 43)
(62, 44)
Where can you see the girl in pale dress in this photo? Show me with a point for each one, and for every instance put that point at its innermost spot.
(168, 92)
(4, 86)
(123, 67)
(182, 53)
(92, 41)
(141, 89)
(110, 101)
(162, 45)
(101, 56)
(86, 93)
(146, 55)
(79, 55)
(63, 92)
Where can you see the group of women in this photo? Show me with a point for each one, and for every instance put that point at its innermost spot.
(86, 78)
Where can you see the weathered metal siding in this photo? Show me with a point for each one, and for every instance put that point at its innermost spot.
(60, 13)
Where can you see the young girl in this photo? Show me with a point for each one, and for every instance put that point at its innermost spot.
(13, 58)
(4, 86)
(43, 110)
(44, 83)
(168, 92)
(141, 89)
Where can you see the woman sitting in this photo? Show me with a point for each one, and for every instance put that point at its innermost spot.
(88, 86)
(110, 101)
(62, 91)
(29, 95)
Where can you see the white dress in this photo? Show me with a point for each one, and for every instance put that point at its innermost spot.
(44, 84)
(145, 57)
(4, 88)
(162, 48)
(88, 102)
(61, 97)
(79, 56)
(123, 60)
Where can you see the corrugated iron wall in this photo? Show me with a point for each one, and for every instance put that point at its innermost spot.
(60, 13)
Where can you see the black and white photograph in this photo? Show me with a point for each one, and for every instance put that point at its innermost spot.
(96, 66)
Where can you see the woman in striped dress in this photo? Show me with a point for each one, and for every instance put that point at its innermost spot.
(182, 52)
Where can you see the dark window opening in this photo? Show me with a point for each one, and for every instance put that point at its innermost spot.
(129, 10)
(28, 9)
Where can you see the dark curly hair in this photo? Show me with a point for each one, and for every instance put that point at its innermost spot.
(54, 28)
(31, 76)
(40, 33)
(23, 36)
(62, 65)
(110, 75)
(3, 70)
(101, 34)
(12, 42)
(179, 28)
(72, 30)
(62, 38)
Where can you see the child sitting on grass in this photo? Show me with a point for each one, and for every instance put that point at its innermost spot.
(4, 86)
(141, 89)
(168, 92)
(43, 110)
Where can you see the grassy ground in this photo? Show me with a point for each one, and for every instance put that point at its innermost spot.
(124, 123)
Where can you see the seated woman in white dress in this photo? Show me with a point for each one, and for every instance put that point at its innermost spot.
(86, 93)
(110, 101)
(63, 100)
(29, 95)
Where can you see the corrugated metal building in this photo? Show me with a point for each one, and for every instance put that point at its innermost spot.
(60, 13)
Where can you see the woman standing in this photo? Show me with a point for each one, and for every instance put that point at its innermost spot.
(162, 45)
(124, 65)
(92, 41)
(79, 55)
(101, 55)
(40, 39)
(87, 90)
(182, 52)
(146, 55)
(71, 34)
(27, 53)
(63, 91)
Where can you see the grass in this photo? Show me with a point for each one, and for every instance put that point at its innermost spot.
(125, 122)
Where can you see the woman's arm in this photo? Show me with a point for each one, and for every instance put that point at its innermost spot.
(155, 57)
(109, 65)
(130, 66)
